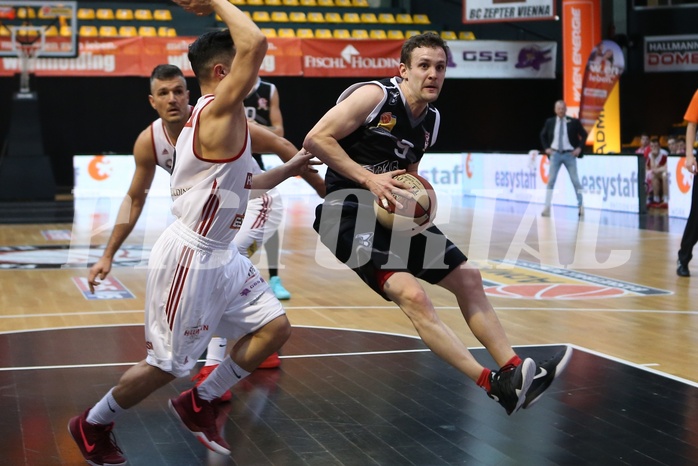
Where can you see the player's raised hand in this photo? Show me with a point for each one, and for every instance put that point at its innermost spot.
(198, 7)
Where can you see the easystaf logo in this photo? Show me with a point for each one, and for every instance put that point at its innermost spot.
(684, 178)
(99, 168)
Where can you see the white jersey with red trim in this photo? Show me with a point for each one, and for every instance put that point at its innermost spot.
(163, 147)
(210, 196)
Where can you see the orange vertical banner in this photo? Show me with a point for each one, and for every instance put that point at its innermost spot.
(581, 31)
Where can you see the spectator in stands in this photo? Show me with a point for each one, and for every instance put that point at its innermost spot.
(656, 175)
(671, 144)
(644, 144)
(680, 146)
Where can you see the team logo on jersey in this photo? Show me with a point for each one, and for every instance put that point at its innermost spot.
(263, 104)
(393, 97)
(237, 222)
(427, 139)
(364, 239)
(387, 121)
(248, 181)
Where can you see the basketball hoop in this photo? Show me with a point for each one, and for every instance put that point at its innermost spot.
(27, 42)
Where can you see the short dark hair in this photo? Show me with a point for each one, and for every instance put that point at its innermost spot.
(165, 72)
(209, 48)
(428, 39)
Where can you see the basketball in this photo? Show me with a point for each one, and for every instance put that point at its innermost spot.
(416, 213)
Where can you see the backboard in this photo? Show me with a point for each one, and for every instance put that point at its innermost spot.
(49, 26)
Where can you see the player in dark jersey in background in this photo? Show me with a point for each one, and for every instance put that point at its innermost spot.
(262, 107)
(377, 130)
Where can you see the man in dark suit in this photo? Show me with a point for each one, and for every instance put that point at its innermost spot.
(563, 143)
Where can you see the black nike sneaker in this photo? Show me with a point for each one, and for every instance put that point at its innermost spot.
(546, 372)
(509, 385)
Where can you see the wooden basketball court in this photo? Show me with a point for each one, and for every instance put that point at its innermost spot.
(356, 387)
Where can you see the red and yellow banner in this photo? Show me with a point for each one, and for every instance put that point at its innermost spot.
(581, 31)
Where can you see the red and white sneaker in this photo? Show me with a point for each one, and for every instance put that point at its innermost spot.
(199, 416)
(203, 375)
(272, 362)
(96, 442)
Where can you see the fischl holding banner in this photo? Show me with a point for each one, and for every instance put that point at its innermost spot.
(604, 67)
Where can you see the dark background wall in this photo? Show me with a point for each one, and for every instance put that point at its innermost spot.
(98, 115)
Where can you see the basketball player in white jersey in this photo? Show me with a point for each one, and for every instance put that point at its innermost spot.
(197, 283)
(155, 147)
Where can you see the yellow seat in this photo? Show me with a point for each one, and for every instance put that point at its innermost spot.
(378, 34)
(386, 18)
(291, 3)
(66, 31)
(316, 17)
(297, 17)
(128, 31)
(105, 14)
(308, 2)
(272, 2)
(411, 33)
(147, 31)
(124, 14)
(341, 34)
(329, 3)
(269, 32)
(351, 18)
(26, 13)
(162, 15)
(286, 32)
(87, 31)
(255, 2)
(323, 34)
(343, 3)
(142, 14)
(396, 34)
(237, 2)
(403, 18)
(279, 17)
(305, 33)
(86, 14)
(108, 31)
(333, 17)
(420, 19)
(359, 34)
(261, 17)
(164, 31)
(449, 35)
(360, 3)
(51, 31)
(466, 35)
(369, 18)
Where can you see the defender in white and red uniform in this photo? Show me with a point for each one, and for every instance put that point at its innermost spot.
(210, 199)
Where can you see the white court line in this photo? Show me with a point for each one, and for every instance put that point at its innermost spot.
(643, 367)
(362, 308)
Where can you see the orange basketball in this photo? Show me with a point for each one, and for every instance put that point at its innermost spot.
(416, 214)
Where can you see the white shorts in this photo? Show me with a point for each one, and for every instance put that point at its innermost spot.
(197, 288)
(262, 218)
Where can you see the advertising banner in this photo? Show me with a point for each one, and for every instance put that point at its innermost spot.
(581, 31)
(680, 186)
(603, 70)
(347, 58)
(502, 59)
(671, 53)
(490, 11)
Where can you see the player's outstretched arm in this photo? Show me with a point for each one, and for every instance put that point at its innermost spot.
(299, 164)
(265, 141)
(131, 207)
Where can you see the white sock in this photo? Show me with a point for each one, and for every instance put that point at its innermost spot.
(215, 353)
(221, 379)
(105, 411)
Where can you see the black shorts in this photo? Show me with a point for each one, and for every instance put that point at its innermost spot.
(347, 226)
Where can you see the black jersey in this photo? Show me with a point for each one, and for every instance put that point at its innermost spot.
(257, 106)
(390, 139)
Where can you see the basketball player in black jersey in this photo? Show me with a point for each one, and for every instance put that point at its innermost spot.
(377, 130)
